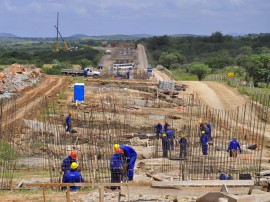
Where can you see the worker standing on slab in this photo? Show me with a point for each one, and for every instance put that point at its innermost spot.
(116, 167)
(233, 146)
(131, 155)
(165, 145)
(65, 166)
(183, 142)
(166, 125)
(204, 142)
(170, 136)
(158, 129)
(73, 176)
(68, 122)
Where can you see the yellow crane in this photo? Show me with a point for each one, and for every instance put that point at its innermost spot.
(65, 44)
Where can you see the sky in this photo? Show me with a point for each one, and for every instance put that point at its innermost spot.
(36, 18)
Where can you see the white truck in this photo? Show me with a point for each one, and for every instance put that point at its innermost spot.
(74, 72)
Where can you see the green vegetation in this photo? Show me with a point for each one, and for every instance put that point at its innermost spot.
(182, 75)
(7, 152)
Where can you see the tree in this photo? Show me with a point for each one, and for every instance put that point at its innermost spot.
(258, 68)
(84, 63)
(200, 70)
(167, 59)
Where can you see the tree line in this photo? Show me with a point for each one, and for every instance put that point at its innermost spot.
(250, 55)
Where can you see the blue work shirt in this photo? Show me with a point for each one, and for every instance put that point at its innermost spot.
(68, 120)
(116, 161)
(158, 128)
(73, 176)
(128, 151)
(234, 145)
(65, 166)
(170, 133)
(204, 139)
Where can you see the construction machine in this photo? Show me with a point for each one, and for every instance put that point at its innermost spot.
(65, 44)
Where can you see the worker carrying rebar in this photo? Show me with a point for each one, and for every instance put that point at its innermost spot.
(233, 146)
(170, 136)
(73, 176)
(65, 166)
(165, 145)
(183, 142)
(204, 142)
(166, 125)
(158, 129)
(68, 122)
(116, 167)
(130, 155)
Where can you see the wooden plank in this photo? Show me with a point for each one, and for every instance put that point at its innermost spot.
(77, 184)
(101, 194)
(68, 194)
(203, 183)
(154, 177)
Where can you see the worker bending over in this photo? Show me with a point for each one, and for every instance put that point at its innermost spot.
(233, 146)
(73, 176)
(116, 167)
(131, 156)
(65, 166)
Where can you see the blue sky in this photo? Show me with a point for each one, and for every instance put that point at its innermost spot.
(36, 18)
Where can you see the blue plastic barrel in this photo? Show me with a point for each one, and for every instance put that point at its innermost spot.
(79, 92)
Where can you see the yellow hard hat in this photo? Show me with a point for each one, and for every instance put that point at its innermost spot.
(164, 135)
(183, 135)
(203, 132)
(74, 166)
(115, 146)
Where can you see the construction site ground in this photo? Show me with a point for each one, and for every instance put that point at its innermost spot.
(216, 95)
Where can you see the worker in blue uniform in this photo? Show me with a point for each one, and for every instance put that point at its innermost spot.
(65, 166)
(204, 142)
(208, 130)
(165, 145)
(170, 136)
(183, 142)
(73, 176)
(158, 129)
(233, 146)
(166, 125)
(131, 156)
(116, 167)
(68, 122)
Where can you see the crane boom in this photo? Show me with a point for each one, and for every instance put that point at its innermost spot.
(65, 44)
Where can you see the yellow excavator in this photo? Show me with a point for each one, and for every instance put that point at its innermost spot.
(66, 48)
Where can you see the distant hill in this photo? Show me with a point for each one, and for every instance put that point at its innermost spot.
(112, 37)
(142, 35)
(78, 36)
(7, 35)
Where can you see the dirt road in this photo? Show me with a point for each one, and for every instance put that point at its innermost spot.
(50, 85)
(142, 58)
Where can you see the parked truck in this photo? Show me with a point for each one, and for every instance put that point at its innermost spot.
(74, 72)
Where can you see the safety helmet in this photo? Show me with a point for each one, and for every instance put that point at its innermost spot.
(115, 146)
(73, 155)
(166, 122)
(119, 151)
(183, 135)
(200, 122)
(70, 113)
(74, 166)
(159, 122)
(203, 132)
(164, 135)
(205, 122)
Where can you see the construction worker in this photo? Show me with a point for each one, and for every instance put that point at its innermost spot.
(68, 122)
(158, 129)
(166, 125)
(128, 75)
(116, 166)
(201, 125)
(165, 145)
(233, 146)
(170, 136)
(65, 166)
(183, 142)
(85, 72)
(204, 142)
(130, 155)
(73, 176)
(208, 130)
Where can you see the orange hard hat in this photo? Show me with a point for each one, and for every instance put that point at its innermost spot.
(119, 151)
(159, 122)
(70, 113)
(166, 122)
(73, 155)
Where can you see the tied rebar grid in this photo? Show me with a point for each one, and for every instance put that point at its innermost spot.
(105, 122)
